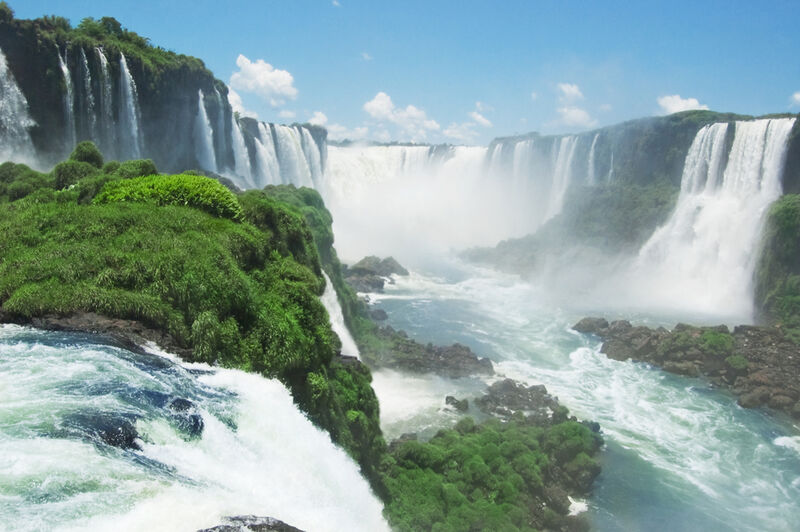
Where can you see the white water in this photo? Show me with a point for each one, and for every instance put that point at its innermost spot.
(294, 166)
(88, 97)
(269, 171)
(69, 101)
(204, 136)
(562, 175)
(257, 453)
(15, 141)
(312, 155)
(590, 172)
(220, 139)
(108, 140)
(241, 156)
(129, 112)
(331, 303)
(704, 256)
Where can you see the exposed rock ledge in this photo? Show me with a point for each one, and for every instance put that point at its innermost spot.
(240, 523)
(758, 364)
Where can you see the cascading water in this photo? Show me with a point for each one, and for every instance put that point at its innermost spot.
(129, 112)
(241, 156)
(108, 138)
(590, 172)
(563, 153)
(269, 172)
(88, 107)
(331, 303)
(69, 102)
(211, 443)
(15, 141)
(312, 155)
(704, 256)
(204, 136)
(291, 156)
(220, 138)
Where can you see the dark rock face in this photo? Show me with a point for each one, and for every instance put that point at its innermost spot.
(106, 427)
(252, 523)
(368, 274)
(462, 405)
(758, 364)
(378, 314)
(185, 417)
(506, 397)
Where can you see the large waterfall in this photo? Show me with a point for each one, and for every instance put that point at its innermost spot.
(204, 136)
(107, 140)
(130, 118)
(15, 141)
(704, 256)
(211, 443)
(69, 102)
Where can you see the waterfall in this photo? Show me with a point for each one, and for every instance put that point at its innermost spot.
(312, 155)
(15, 141)
(331, 303)
(269, 171)
(610, 175)
(563, 153)
(294, 167)
(129, 112)
(69, 102)
(241, 156)
(706, 251)
(220, 139)
(108, 130)
(204, 136)
(237, 445)
(590, 172)
(88, 98)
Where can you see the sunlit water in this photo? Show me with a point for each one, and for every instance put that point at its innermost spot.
(680, 455)
(257, 454)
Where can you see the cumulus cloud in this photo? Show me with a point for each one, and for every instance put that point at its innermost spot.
(575, 116)
(318, 119)
(480, 119)
(569, 92)
(336, 3)
(673, 103)
(365, 56)
(411, 120)
(463, 132)
(287, 114)
(259, 77)
(236, 104)
(796, 98)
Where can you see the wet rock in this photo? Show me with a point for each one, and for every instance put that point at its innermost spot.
(460, 405)
(110, 428)
(370, 273)
(506, 397)
(186, 418)
(378, 314)
(591, 326)
(241, 523)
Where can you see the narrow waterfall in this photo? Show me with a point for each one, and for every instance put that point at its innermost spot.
(69, 102)
(269, 172)
(294, 167)
(563, 153)
(217, 455)
(241, 156)
(706, 251)
(129, 112)
(204, 136)
(220, 138)
(15, 141)
(108, 129)
(88, 107)
(331, 303)
(312, 155)
(590, 171)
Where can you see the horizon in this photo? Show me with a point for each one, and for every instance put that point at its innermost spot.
(549, 69)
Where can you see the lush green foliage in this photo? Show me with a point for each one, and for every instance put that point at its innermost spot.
(716, 343)
(87, 152)
(493, 476)
(194, 191)
(778, 273)
(68, 173)
(18, 180)
(131, 169)
(737, 362)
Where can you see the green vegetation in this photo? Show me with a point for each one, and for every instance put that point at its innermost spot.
(492, 476)
(777, 291)
(194, 191)
(87, 152)
(239, 287)
(716, 343)
(708, 341)
(737, 362)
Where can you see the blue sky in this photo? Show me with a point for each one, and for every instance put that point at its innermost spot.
(468, 71)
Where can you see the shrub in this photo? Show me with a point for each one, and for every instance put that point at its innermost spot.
(87, 152)
(70, 172)
(716, 343)
(183, 190)
(737, 362)
(111, 166)
(135, 168)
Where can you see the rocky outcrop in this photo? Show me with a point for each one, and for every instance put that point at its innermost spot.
(240, 523)
(370, 273)
(506, 397)
(758, 364)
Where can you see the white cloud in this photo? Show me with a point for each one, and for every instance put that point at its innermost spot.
(412, 121)
(318, 119)
(575, 116)
(261, 78)
(480, 119)
(796, 98)
(365, 56)
(236, 104)
(287, 114)
(340, 132)
(605, 107)
(463, 132)
(673, 103)
(336, 3)
(569, 92)
(534, 96)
